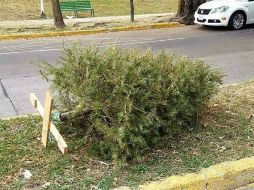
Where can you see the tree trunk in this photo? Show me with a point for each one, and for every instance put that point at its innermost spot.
(186, 10)
(132, 10)
(58, 17)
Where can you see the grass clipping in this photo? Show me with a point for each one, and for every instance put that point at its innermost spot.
(128, 101)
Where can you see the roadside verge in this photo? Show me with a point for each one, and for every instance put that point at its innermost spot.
(227, 175)
(227, 134)
(87, 32)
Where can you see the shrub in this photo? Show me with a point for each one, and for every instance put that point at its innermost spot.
(131, 99)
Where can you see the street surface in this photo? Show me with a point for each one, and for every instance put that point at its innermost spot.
(231, 51)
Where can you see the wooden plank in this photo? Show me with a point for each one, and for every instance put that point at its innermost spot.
(46, 118)
(36, 103)
(33, 100)
(60, 141)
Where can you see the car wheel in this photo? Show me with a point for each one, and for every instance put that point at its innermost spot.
(237, 21)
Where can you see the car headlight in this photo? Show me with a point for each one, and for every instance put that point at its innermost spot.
(220, 9)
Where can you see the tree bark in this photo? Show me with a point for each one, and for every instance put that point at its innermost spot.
(58, 17)
(186, 10)
(132, 10)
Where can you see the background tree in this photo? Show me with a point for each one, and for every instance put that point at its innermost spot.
(58, 17)
(186, 10)
(132, 10)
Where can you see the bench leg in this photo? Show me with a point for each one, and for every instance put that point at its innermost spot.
(76, 14)
(92, 12)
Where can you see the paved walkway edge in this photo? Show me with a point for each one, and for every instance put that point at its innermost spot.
(87, 32)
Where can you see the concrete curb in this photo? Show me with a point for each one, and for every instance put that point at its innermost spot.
(224, 176)
(247, 187)
(88, 32)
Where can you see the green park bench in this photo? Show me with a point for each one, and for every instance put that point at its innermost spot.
(81, 5)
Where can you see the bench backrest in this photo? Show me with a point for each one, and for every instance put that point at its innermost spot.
(75, 5)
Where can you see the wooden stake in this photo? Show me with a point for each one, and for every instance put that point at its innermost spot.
(49, 126)
(46, 119)
(60, 141)
(36, 103)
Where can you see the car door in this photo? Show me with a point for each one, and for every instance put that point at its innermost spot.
(250, 7)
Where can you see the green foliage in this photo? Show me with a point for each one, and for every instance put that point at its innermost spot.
(136, 98)
(3, 126)
(105, 183)
(89, 181)
(139, 169)
(161, 168)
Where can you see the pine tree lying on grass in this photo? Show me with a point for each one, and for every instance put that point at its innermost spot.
(130, 100)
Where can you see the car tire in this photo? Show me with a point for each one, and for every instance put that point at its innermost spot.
(237, 21)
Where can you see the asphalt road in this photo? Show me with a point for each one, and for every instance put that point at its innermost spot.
(231, 51)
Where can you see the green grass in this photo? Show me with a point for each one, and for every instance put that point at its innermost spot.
(30, 9)
(227, 135)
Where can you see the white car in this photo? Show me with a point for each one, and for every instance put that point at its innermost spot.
(232, 13)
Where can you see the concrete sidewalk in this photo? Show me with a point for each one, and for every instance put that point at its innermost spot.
(71, 22)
